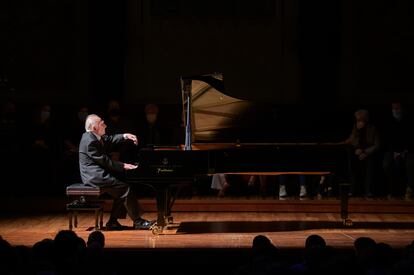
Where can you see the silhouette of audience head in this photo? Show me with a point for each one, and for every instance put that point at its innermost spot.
(69, 249)
(365, 248)
(315, 250)
(42, 255)
(96, 237)
(263, 245)
(315, 241)
(363, 243)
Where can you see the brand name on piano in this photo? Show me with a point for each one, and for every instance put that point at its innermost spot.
(164, 170)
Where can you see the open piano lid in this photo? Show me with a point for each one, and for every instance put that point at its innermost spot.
(214, 116)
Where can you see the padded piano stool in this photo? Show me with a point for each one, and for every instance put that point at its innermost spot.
(86, 198)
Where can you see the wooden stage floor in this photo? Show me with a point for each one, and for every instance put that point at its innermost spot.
(221, 229)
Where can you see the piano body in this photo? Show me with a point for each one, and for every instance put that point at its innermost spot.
(218, 139)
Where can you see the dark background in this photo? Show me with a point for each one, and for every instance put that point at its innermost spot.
(278, 51)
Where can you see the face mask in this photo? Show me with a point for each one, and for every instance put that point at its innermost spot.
(360, 124)
(44, 115)
(82, 116)
(151, 118)
(396, 114)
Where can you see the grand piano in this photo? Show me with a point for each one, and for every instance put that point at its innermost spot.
(219, 138)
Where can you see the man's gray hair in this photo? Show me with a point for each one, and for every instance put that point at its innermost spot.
(90, 122)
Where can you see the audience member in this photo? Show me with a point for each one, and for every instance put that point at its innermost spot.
(232, 183)
(364, 145)
(151, 131)
(324, 186)
(283, 181)
(315, 256)
(96, 237)
(118, 124)
(398, 162)
(96, 260)
(69, 252)
(264, 259)
(365, 252)
(42, 259)
(261, 181)
(219, 183)
(44, 141)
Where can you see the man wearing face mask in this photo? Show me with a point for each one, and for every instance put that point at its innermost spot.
(117, 124)
(44, 141)
(364, 144)
(398, 156)
(151, 134)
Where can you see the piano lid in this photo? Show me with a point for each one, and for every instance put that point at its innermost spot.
(213, 114)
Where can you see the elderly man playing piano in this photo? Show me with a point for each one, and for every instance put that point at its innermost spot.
(98, 169)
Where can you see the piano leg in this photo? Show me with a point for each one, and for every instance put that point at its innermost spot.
(343, 193)
(162, 205)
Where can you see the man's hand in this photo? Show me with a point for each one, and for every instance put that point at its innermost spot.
(128, 166)
(362, 156)
(358, 152)
(131, 137)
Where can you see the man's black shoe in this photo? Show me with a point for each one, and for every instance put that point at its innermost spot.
(113, 225)
(143, 224)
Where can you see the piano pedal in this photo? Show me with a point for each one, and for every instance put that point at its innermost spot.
(156, 230)
(347, 222)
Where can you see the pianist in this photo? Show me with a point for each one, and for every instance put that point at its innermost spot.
(98, 169)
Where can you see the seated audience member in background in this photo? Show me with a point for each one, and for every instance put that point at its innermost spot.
(116, 121)
(44, 138)
(219, 183)
(364, 144)
(398, 155)
(151, 133)
(118, 124)
(227, 184)
(98, 169)
(283, 182)
(261, 181)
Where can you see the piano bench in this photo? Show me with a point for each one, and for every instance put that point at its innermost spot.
(84, 198)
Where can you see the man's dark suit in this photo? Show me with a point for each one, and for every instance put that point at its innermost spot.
(98, 169)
